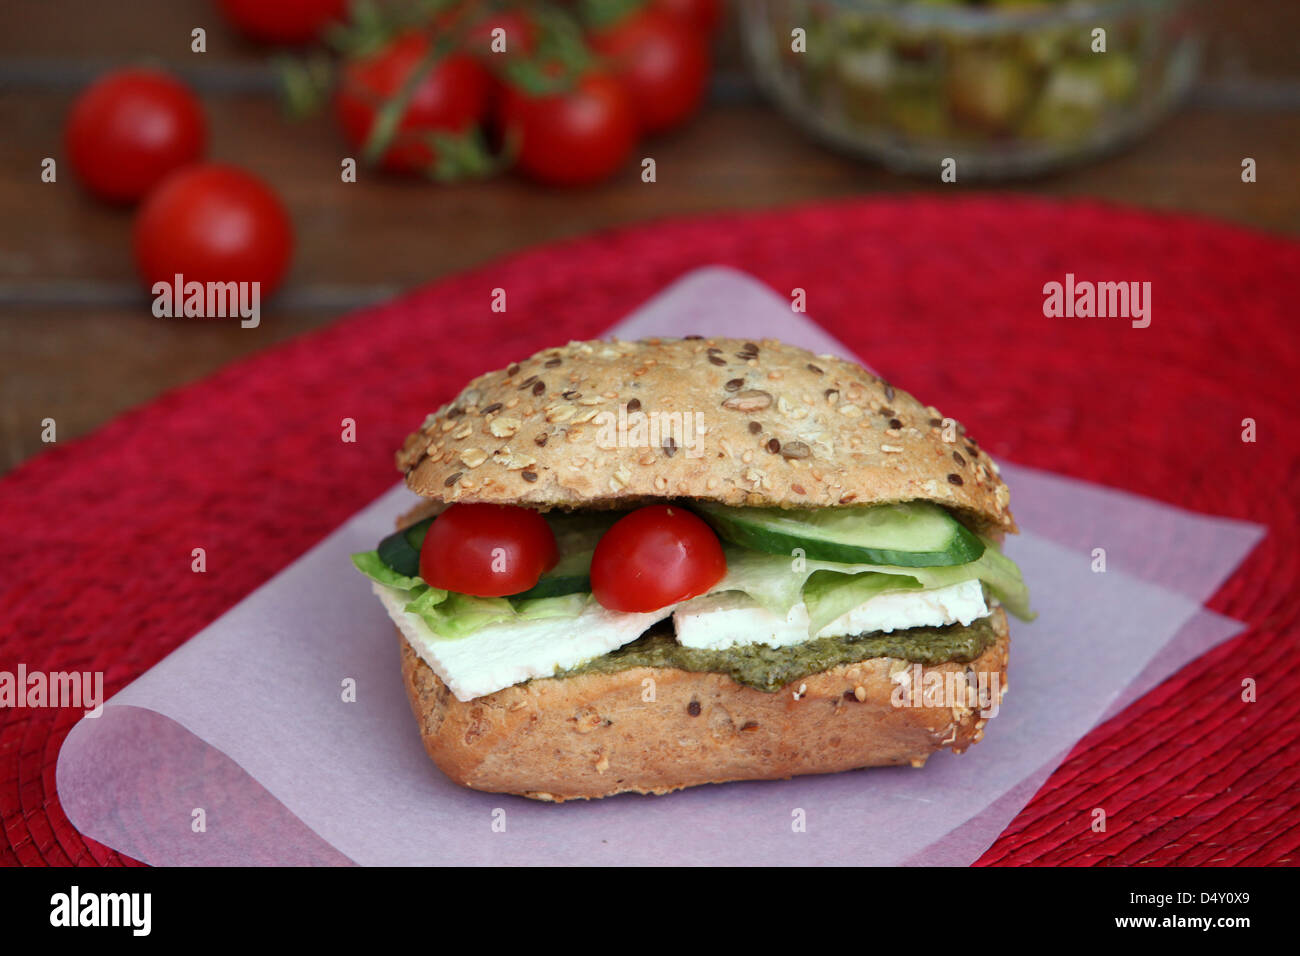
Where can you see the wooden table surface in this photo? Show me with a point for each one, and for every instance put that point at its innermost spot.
(78, 342)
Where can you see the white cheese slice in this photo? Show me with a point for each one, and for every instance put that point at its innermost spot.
(718, 621)
(501, 655)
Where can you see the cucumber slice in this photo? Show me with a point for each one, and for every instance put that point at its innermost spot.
(914, 534)
(576, 534)
(401, 549)
(570, 576)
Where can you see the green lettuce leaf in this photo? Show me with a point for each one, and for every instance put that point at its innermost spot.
(540, 609)
(778, 583)
(369, 564)
(830, 594)
(453, 615)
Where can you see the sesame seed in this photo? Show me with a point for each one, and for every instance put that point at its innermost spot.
(634, 404)
(539, 388)
(552, 362)
(935, 422)
(956, 456)
(691, 338)
(528, 475)
(814, 369)
(455, 412)
(895, 423)
(831, 395)
(886, 411)
(755, 428)
(512, 368)
(798, 489)
(734, 384)
(571, 394)
(452, 479)
(541, 439)
(796, 450)
(527, 382)
(955, 480)
(717, 360)
(494, 407)
(889, 393)
(693, 708)
(670, 446)
(773, 446)
(751, 347)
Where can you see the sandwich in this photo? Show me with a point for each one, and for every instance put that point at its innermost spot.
(643, 566)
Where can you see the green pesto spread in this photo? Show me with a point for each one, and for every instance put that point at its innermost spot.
(771, 668)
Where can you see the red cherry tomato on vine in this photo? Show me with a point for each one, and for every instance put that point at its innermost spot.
(663, 64)
(653, 557)
(131, 128)
(283, 21)
(450, 99)
(213, 223)
(575, 137)
(702, 14)
(487, 550)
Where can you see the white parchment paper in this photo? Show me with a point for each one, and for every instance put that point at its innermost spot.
(247, 721)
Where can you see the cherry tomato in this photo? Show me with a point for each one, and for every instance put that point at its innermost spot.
(702, 14)
(573, 138)
(213, 223)
(487, 550)
(451, 98)
(282, 21)
(656, 556)
(663, 64)
(131, 128)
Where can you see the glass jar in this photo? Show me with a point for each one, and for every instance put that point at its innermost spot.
(1005, 87)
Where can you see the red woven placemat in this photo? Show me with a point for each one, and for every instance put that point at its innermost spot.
(942, 297)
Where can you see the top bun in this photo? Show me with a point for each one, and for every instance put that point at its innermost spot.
(605, 424)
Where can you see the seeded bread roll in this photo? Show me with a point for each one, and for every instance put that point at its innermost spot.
(594, 735)
(778, 426)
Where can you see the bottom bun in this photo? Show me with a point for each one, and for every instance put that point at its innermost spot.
(656, 729)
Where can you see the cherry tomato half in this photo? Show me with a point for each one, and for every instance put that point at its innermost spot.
(213, 223)
(131, 128)
(487, 550)
(653, 557)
